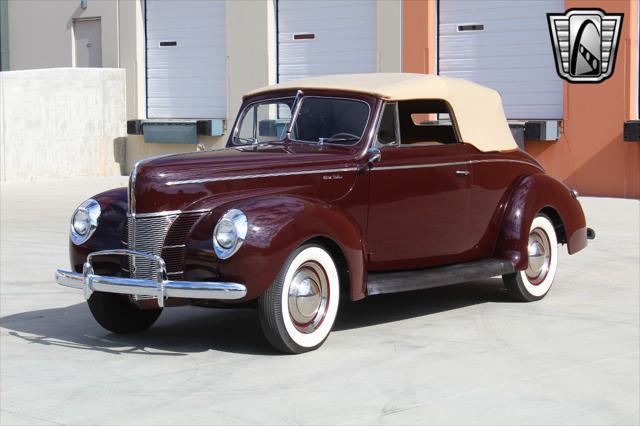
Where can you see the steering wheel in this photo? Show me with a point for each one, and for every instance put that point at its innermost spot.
(343, 135)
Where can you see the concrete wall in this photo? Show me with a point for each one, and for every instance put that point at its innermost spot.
(63, 122)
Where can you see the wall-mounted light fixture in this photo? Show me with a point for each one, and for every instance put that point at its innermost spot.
(83, 3)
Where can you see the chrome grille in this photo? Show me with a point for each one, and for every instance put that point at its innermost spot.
(147, 234)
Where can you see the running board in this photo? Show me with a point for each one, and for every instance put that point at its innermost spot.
(420, 279)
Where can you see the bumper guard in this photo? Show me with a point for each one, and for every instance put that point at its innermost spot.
(160, 287)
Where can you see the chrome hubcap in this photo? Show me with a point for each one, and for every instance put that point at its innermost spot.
(539, 256)
(308, 294)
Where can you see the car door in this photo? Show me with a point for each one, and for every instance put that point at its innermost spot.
(419, 200)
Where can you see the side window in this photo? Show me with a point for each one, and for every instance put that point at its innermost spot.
(387, 129)
(426, 122)
(265, 121)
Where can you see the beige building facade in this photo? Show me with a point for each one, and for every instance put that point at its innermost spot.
(49, 33)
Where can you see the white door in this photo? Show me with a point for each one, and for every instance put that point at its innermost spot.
(88, 43)
(186, 59)
(506, 46)
(326, 37)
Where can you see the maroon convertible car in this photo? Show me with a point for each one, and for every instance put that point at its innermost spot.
(351, 185)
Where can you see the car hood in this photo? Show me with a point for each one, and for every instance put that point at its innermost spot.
(180, 181)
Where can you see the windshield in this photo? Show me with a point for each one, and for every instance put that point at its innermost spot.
(331, 120)
(319, 120)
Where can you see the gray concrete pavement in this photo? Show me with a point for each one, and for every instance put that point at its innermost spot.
(459, 355)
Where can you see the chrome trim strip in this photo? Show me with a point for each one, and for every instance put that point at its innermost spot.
(345, 169)
(454, 163)
(174, 246)
(421, 166)
(507, 160)
(276, 174)
(295, 110)
(166, 213)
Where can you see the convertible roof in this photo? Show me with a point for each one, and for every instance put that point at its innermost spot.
(478, 110)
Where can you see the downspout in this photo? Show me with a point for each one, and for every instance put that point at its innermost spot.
(117, 33)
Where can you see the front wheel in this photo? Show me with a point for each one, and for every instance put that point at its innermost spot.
(534, 282)
(298, 311)
(117, 314)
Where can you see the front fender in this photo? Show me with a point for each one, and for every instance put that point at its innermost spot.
(108, 234)
(530, 196)
(278, 224)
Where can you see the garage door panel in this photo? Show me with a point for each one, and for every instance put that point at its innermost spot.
(459, 48)
(493, 7)
(185, 39)
(186, 71)
(331, 55)
(344, 26)
(320, 68)
(344, 38)
(196, 101)
(187, 80)
(497, 77)
(535, 110)
(182, 85)
(177, 61)
(301, 12)
(512, 50)
(531, 62)
(196, 111)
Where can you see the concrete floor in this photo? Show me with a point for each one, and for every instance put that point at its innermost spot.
(464, 354)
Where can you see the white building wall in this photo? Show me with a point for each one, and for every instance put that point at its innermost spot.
(389, 35)
(61, 123)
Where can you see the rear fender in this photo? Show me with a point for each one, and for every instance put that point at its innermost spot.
(278, 224)
(531, 195)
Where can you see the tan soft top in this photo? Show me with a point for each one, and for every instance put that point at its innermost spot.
(477, 109)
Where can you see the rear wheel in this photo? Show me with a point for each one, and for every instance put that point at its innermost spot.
(117, 314)
(298, 311)
(534, 282)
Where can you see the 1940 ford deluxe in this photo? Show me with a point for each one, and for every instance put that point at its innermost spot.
(351, 185)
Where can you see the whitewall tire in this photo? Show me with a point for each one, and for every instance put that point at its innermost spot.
(298, 311)
(535, 282)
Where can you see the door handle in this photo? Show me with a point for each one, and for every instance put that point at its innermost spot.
(462, 173)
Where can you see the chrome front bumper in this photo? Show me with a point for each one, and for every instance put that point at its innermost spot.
(160, 288)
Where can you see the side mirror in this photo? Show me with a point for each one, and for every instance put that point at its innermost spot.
(374, 155)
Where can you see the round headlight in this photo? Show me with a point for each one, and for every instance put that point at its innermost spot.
(84, 221)
(229, 233)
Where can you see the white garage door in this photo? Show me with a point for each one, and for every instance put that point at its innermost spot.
(506, 46)
(186, 59)
(325, 37)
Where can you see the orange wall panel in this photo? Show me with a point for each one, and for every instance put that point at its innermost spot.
(418, 35)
